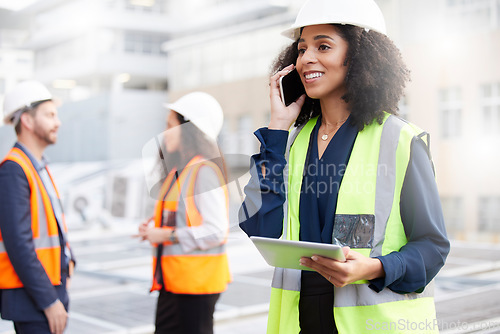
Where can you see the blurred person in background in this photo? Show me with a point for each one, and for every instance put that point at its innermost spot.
(191, 221)
(349, 173)
(35, 258)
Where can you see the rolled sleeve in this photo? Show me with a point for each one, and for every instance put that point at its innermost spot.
(271, 162)
(261, 214)
(394, 267)
(272, 141)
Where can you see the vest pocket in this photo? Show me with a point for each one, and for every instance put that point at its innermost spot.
(355, 231)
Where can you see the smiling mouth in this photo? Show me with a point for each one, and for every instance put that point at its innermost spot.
(313, 75)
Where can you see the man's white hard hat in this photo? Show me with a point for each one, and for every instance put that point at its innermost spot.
(362, 13)
(202, 110)
(22, 96)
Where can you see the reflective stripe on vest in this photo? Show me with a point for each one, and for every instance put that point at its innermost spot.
(199, 271)
(368, 202)
(43, 225)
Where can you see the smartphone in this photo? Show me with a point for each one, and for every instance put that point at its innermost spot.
(291, 87)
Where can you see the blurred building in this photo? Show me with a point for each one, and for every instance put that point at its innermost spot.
(103, 59)
(15, 64)
(452, 48)
(113, 60)
(226, 48)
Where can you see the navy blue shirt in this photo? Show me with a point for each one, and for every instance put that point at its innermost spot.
(408, 270)
(321, 182)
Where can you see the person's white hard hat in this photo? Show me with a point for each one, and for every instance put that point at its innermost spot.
(361, 13)
(22, 96)
(202, 110)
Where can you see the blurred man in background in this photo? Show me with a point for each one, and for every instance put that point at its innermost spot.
(35, 258)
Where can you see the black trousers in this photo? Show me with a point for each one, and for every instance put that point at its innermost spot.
(185, 314)
(40, 327)
(316, 305)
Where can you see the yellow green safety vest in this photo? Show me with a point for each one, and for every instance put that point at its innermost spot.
(368, 199)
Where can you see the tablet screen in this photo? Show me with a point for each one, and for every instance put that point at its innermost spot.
(287, 254)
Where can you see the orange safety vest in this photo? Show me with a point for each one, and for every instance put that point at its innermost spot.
(43, 227)
(199, 271)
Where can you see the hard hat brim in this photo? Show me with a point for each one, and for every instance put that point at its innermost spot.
(360, 13)
(7, 120)
(172, 106)
(294, 31)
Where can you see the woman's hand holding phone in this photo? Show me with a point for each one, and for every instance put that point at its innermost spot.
(282, 117)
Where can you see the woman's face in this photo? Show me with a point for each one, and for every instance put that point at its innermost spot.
(322, 53)
(172, 136)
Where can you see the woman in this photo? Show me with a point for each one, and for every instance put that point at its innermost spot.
(349, 173)
(190, 268)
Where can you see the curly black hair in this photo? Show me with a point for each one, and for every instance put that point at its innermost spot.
(375, 79)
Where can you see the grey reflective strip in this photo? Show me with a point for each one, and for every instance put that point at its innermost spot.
(39, 243)
(43, 233)
(55, 202)
(181, 221)
(42, 216)
(46, 242)
(386, 180)
(362, 295)
(291, 138)
(176, 249)
(286, 279)
(180, 217)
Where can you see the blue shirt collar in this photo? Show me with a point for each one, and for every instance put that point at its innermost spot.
(39, 165)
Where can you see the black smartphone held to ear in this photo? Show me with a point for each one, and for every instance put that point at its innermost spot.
(291, 87)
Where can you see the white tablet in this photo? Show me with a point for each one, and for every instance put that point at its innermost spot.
(287, 254)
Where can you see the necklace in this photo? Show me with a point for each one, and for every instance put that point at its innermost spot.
(324, 137)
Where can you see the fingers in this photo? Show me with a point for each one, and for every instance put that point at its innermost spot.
(143, 229)
(300, 101)
(356, 267)
(317, 264)
(282, 117)
(146, 222)
(60, 324)
(332, 270)
(337, 283)
(346, 250)
(274, 80)
(283, 72)
(57, 317)
(141, 236)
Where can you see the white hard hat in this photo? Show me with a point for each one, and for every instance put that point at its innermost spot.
(361, 13)
(23, 95)
(202, 110)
